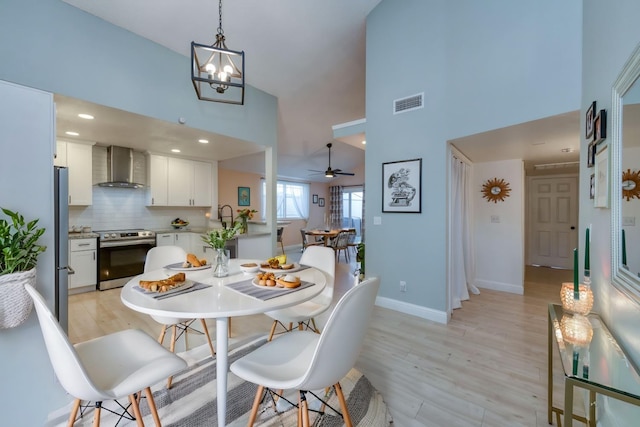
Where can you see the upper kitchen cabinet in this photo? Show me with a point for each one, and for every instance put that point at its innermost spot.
(158, 178)
(77, 157)
(179, 182)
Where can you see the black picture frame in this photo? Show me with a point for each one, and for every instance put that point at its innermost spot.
(589, 118)
(244, 196)
(592, 186)
(315, 199)
(321, 202)
(600, 127)
(591, 154)
(402, 186)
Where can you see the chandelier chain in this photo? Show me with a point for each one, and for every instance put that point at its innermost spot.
(220, 30)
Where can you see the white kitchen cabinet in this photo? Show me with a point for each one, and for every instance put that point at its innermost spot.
(77, 157)
(189, 183)
(61, 154)
(158, 179)
(84, 262)
(190, 242)
(179, 182)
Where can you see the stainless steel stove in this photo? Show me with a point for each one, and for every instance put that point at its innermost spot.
(122, 255)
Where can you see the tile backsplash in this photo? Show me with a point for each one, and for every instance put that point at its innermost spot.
(124, 208)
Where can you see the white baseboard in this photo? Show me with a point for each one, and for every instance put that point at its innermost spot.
(412, 309)
(498, 286)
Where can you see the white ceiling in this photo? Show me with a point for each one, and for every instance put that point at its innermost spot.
(311, 55)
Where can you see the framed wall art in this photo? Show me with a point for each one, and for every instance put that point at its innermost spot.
(244, 196)
(589, 117)
(402, 186)
(321, 202)
(591, 154)
(592, 186)
(601, 195)
(600, 127)
(315, 199)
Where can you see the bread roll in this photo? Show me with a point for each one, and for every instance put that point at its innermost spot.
(193, 260)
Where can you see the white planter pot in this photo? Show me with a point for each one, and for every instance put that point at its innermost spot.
(15, 302)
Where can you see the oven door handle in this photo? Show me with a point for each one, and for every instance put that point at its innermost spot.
(115, 244)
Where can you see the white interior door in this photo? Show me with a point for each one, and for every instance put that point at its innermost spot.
(553, 214)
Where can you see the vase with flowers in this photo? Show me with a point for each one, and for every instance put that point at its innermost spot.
(217, 239)
(245, 215)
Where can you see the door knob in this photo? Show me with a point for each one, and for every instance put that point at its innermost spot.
(573, 227)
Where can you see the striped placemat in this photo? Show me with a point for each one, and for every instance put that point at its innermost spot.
(162, 295)
(264, 293)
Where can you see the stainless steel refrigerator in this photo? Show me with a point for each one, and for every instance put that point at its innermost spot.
(61, 219)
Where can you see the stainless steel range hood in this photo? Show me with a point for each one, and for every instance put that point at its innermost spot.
(120, 168)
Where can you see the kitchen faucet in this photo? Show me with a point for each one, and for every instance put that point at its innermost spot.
(221, 215)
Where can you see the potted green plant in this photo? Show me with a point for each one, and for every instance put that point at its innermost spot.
(217, 239)
(19, 250)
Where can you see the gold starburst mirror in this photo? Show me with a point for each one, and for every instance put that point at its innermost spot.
(495, 190)
(630, 184)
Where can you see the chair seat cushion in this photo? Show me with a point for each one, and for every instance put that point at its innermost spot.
(281, 363)
(126, 362)
(169, 320)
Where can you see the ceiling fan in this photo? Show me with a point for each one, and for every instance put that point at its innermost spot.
(331, 173)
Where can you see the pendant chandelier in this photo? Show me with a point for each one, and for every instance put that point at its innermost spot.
(217, 72)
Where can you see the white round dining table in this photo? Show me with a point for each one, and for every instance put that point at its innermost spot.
(218, 302)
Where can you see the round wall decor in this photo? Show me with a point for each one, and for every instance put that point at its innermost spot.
(495, 190)
(630, 184)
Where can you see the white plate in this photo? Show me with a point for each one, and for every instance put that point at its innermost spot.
(187, 284)
(296, 267)
(277, 287)
(178, 267)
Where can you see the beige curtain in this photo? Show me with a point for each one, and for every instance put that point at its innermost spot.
(335, 206)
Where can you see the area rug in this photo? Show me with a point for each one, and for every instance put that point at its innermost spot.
(191, 401)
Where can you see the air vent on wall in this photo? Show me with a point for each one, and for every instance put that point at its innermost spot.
(409, 103)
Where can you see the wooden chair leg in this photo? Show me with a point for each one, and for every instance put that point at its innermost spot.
(256, 405)
(206, 331)
(315, 328)
(305, 410)
(299, 410)
(96, 414)
(273, 330)
(300, 326)
(74, 412)
(343, 405)
(136, 410)
(229, 327)
(172, 347)
(152, 406)
(162, 332)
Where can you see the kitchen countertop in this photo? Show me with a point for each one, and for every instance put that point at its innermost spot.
(203, 230)
(89, 235)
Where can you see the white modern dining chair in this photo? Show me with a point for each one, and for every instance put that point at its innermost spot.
(106, 368)
(157, 258)
(303, 360)
(304, 314)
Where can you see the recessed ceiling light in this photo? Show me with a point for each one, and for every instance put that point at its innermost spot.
(85, 116)
(203, 141)
(72, 133)
(175, 150)
(364, 141)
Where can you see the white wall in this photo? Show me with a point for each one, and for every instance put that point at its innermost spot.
(499, 247)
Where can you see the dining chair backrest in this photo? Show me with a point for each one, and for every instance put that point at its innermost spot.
(279, 231)
(342, 338)
(64, 358)
(322, 258)
(160, 256)
(351, 236)
(341, 241)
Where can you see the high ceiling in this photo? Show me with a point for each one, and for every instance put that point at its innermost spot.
(311, 55)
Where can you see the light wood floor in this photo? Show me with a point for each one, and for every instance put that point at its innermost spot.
(487, 367)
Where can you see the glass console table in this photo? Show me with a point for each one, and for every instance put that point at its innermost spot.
(592, 360)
